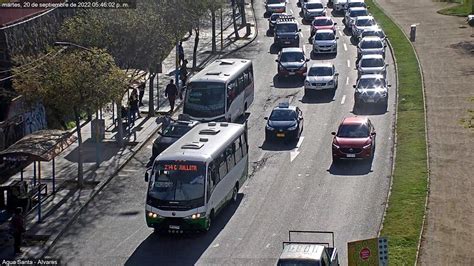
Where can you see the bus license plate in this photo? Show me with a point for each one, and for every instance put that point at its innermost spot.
(281, 135)
(350, 155)
(292, 73)
(174, 227)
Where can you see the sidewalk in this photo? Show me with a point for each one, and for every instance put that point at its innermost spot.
(445, 47)
(60, 209)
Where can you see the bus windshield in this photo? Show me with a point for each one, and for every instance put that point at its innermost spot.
(205, 99)
(178, 181)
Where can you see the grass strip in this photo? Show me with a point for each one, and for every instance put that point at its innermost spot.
(406, 206)
(466, 7)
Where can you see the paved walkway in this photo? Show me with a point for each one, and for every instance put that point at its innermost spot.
(59, 209)
(445, 47)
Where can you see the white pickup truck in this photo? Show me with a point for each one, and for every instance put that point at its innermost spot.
(308, 253)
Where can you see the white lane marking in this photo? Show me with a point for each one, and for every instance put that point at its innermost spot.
(295, 152)
(301, 34)
(216, 245)
(291, 11)
(304, 48)
(348, 63)
(267, 246)
(340, 33)
(343, 99)
(347, 80)
(290, 99)
(345, 47)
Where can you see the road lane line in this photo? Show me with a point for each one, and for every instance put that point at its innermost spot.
(295, 152)
(343, 99)
(301, 34)
(291, 11)
(345, 47)
(340, 33)
(347, 81)
(304, 48)
(348, 63)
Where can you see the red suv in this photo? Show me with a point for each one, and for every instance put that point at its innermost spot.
(323, 23)
(355, 138)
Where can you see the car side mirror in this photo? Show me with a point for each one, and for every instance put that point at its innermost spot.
(146, 176)
(160, 133)
(354, 86)
(276, 60)
(386, 64)
(389, 85)
(333, 133)
(335, 23)
(266, 118)
(307, 59)
(372, 134)
(336, 74)
(299, 30)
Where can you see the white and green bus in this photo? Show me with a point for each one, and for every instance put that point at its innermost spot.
(193, 179)
(222, 91)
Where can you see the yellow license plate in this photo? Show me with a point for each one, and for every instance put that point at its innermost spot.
(281, 135)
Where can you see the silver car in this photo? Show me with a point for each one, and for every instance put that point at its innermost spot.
(371, 89)
(325, 41)
(313, 9)
(372, 64)
(275, 6)
(362, 23)
(352, 13)
(374, 31)
(370, 45)
(321, 76)
(355, 3)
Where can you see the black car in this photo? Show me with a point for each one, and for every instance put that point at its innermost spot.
(171, 133)
(287, 33)
(285, 122)
(272, 21)
(292, 62)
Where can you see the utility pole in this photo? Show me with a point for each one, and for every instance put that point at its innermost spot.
(222, 32)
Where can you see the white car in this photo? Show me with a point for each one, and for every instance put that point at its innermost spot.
(275, 6)
(352, 13)
(375, 32)
(325, 41)
(355, 3)
(312, 9)
(372, 64)
(321, 76)
(362, 23)
(370, 45)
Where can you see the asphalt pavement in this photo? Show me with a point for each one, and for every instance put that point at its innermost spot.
(292, 187)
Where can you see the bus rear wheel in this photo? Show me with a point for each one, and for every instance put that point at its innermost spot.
(235, 192)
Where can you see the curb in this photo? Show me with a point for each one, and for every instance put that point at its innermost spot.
(426, 137)
(54, 238)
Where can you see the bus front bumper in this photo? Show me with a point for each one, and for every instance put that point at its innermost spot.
(176, 225)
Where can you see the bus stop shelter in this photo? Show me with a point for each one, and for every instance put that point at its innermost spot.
(37, 147)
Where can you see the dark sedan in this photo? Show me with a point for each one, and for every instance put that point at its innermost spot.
(285, 122)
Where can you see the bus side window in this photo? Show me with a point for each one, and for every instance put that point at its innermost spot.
(232, 89)
(238, 151)
(229, 154)
(244, 143)
(241, 83)
(222, 167)
(211, 181)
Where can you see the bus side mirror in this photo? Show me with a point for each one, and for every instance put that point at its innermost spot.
(147, 174)
(146, 177)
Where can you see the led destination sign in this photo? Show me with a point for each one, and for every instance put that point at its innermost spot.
(180, 167)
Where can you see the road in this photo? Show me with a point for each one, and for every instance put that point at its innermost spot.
(290, 188)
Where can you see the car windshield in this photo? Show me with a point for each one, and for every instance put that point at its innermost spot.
(178, 181)
(205, 99)
(314, 6)
(324, 36)
(353, 131)
(322, 22)
(283, 115)
(356, 4)
(288, 27)
(275, 1)
(320, 71)
(365, 22)
(372, 62)
(175, 130)
(292, 57)
(371, 83)
(371, 44)
(378, 33)
(358, 13)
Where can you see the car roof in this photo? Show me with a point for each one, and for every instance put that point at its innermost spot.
(354, 120)
(284, 106)
(322, 64)
(372, 76)
(314, 1)
(374, 28)
(372, 56)
(291, 49)
(325, 31)
(364, 17)
(301, 252)
(357, 8)
(323, 17)
(371, 39)
(355, 1)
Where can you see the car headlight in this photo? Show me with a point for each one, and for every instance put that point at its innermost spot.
(368, 146)
(196, 216)
(331, 82)
(153, 215)
(269, 128)
(307, 83)
(293, 127)
(334, 145)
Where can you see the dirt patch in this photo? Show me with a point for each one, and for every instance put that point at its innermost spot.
(465, 47)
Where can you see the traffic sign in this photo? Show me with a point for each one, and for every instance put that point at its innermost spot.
(364, 253)
(368, 252)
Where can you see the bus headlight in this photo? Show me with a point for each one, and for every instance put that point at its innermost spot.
(153, 215)
(196, 216)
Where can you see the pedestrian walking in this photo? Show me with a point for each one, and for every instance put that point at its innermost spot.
(171, 92)
(183, 76)
(134, 108)
(17, 226)
(180, 53)
(141, 93)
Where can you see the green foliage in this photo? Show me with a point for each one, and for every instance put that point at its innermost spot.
(406, 207)
(464, 8)
(71, 79)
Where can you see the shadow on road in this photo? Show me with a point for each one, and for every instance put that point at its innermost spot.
(370, 109)
(107, 151)
(278, 145)
(185, 249)
(274, 49)
(291, 82)
(336, 14)
(322, 96)
(323, 56)
(351, 167)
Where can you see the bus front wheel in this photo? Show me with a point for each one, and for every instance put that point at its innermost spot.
(209, 220)
(235, 191)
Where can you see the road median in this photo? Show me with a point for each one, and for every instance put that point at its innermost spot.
(405, 211)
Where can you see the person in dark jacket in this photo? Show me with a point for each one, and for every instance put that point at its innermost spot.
(141, 93)
(17, 225)
(171, 92)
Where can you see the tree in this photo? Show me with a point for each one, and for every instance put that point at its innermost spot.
(72, 81)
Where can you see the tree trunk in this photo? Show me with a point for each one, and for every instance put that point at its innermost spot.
(119, 137)
(236, 29)
(213, 23)
(196, 43)
(151, 107)
(242, 12)
(80, 180)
